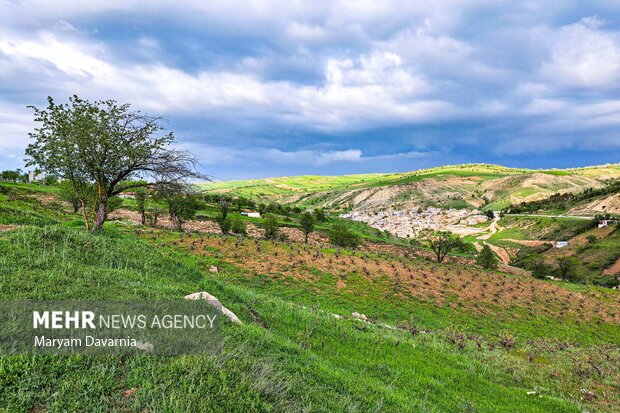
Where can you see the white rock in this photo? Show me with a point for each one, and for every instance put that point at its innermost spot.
(359, 316)
(336, 316)
(213, 268)
(203, 295)
(145, 346)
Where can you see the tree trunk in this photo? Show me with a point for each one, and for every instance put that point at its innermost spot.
(176, 222)
(143, 216)
(100, 214)
(306, 234)
(85, 215)
(76, 206)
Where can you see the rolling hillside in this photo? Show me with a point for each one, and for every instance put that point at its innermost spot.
(323, 329)
(460, 186)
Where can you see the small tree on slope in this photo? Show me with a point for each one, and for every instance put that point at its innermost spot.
(104, 144)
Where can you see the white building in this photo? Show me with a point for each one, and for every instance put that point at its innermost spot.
(34, 176)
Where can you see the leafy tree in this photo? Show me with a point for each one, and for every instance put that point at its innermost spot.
(153, 214)
(114, 203)
(238, 203)
(141, 195)
(307, 224)
(319, 214)
(50, 180)
(10, 176)
(67, 193)
(567, 267)
(271, 225)
(591, 238)
(441, 242)
(224, 204)
(341, 236)
(486, 258)
(104, 144)
(225, 224)
(489, 214)
(237, 226)
(182, 203)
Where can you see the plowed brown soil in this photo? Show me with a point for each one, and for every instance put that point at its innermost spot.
(443, 284)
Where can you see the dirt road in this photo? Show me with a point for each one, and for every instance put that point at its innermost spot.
(493, 228)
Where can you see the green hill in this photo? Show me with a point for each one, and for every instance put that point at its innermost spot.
(471, 185)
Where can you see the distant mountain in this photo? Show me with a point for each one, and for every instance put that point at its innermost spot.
(482, 186)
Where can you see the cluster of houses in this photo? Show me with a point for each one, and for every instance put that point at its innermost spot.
(407, 223)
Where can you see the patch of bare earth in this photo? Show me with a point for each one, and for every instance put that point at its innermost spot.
(7, 227)
(610, 204)
(613, 269)
(501, 253)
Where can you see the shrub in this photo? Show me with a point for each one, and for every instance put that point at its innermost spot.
(237, 226)
(341, 236)
(307, 224)
(568, 268)
(538, 267)
(271, 227)
(486, 258)
(225, 224)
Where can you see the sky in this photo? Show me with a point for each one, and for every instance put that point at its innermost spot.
(271, 88)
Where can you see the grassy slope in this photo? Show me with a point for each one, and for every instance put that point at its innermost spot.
(302, 186)
(304, 358)
(593, 256)
(290, 355)
(253, 188)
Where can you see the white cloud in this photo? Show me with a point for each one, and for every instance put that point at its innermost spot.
(584, 55)
(373, 64)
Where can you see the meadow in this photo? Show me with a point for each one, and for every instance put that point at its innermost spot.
(438, 337)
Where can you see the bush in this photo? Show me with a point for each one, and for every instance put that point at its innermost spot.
(225, 224)
(538, 267)
(341, 236)
(486, 258)
(271, 227)
(237, 226)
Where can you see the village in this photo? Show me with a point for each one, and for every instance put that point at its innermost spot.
(408, 223)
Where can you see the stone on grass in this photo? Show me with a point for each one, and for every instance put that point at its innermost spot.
(203, 295)
(359, 316)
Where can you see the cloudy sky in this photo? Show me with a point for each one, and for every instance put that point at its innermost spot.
(268, 88)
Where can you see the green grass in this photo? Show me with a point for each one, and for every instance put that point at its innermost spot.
(541, 228)
(304, 358)
(291, 354)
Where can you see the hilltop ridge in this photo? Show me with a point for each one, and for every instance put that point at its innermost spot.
(480, 185)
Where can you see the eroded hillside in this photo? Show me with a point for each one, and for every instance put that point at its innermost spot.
(461, 186)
